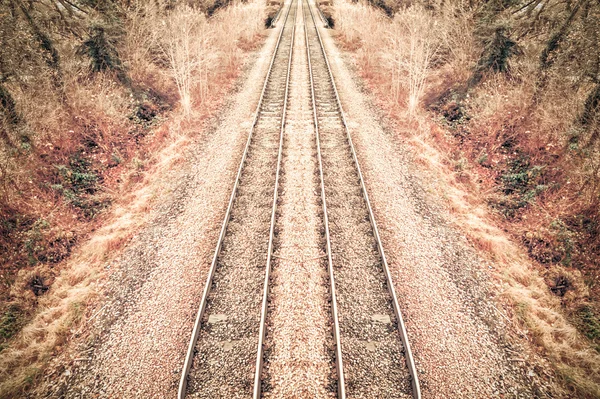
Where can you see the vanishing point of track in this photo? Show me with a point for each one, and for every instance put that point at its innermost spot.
(372, 354)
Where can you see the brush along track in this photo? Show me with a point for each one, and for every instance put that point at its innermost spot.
(223, 348)
(299, 339)
(378, 362)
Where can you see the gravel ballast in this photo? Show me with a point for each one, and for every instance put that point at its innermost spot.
(299, 336)
(443, 286)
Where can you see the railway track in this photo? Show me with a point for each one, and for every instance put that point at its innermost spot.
(222, 351)
(367, 338)
(378, 361)
(299, 344)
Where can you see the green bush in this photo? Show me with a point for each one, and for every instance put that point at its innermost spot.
(520, 185)
(9, 323)
(78, 183)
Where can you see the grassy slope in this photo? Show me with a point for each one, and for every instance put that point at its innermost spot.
(501, 150)
(83, 177)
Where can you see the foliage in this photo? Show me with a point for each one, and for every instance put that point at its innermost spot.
(498, 48)
(84, 88)
(521, 184)
(102, 51)
(591, 323)
(9, 322)
(79, 185)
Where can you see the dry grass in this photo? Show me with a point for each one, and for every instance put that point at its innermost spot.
(60, 311)
(199, 68)
(412, 46)
(196, 49)
(185, 40)
(408, 62)
(400, 52)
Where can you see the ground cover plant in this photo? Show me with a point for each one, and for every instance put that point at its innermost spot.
(92, 95)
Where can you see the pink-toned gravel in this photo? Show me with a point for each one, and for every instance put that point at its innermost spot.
(140, 335)
(299, 329)
(442, 284)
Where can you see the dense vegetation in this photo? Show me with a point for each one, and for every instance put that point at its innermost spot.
(90, 91)
(542, 145)
(548, 138)
(60, 65)
(546, 55)
(508, 93)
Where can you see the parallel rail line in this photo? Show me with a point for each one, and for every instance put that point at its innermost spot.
(334, 107)
(416, 390)
(182, 390)
(265, 299)
(339, 364)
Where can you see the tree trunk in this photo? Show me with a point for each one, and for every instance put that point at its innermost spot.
(8, 106)
(554, 42)
(590, 108)
(52, 59)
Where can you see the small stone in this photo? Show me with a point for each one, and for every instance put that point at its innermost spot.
(216, 318)
(228, 345)
(382, 318)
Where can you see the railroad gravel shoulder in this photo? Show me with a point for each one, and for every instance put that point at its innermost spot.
(299, 333)
(443, 286)
(136, 344)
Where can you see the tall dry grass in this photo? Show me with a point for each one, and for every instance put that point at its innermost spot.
(185, 41)
(193, 51)
(406, 47)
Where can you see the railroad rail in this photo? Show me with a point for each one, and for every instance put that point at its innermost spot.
(269, 110)
(339, 364)
(265, 298)
(337, 380)
(369, 334)
(322, 117)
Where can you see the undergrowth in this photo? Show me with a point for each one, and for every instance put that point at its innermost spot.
(506, 95)
(91, 95)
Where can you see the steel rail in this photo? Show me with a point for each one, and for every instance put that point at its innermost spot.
(334, 310)
(265, 301)
(274, 20)
(325, 21)
(197, 324)
(416, 390)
